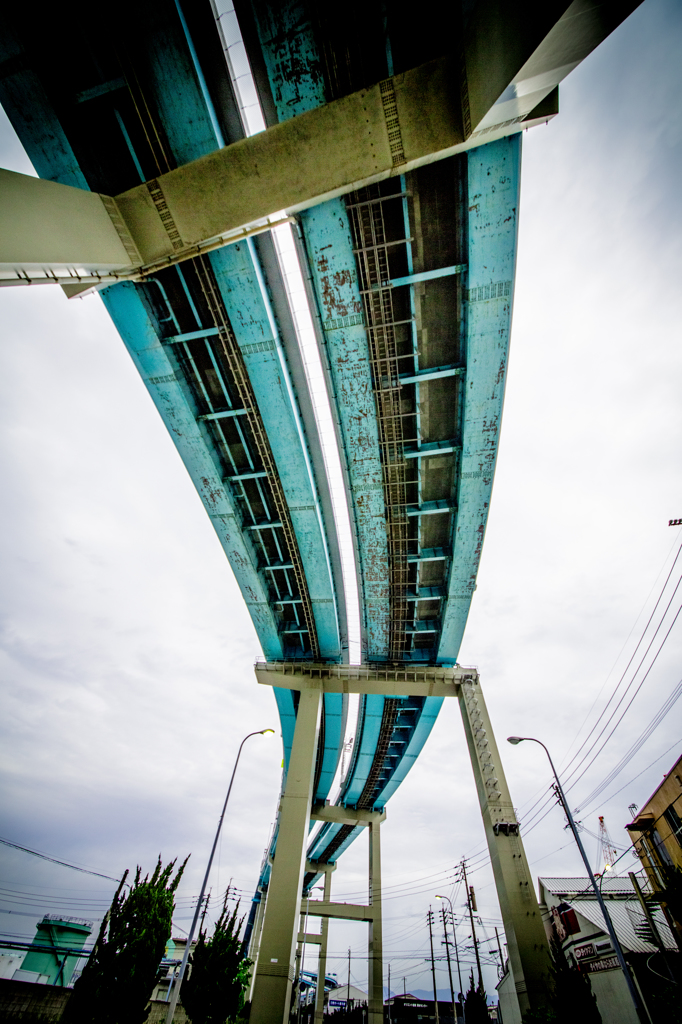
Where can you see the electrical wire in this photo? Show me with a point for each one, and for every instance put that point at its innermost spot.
(54, 860)
(636, 746)
(539, 804)
(571, 781)
(644, 770)
(627, 639)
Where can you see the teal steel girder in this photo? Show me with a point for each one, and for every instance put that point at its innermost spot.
(297, 85)
(494, 177)
(177, 90)
(138, 332)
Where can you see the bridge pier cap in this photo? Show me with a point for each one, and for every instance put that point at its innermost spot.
(384, 680)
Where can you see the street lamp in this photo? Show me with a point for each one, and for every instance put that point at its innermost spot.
(447, 950)
(178, 982)
(634, 994)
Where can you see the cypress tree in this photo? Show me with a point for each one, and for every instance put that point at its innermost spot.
(118, 980)
(214, 990)
(476, 1004)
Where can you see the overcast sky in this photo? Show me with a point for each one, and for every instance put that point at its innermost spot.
(126, 653)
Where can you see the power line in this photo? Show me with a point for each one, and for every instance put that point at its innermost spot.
(54, 860)
(538, 814)
(644, 770)
(638, 744)
(534, 810)
(627, 639)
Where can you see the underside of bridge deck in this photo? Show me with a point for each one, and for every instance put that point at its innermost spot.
(405, 226)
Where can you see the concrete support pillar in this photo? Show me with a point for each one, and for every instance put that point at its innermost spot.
(275, 967)
(526, 940)
(322, 962)
(254, 945)
(375, 961)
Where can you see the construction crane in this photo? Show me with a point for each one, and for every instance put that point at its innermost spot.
(608, 854)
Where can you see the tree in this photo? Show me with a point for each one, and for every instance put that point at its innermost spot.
(476, 1004)
(118, 980)
(214, 990)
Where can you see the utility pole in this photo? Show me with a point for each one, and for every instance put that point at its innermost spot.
(203, 916)
(429, 918)
(459, 972)
(471, 903)
(640, 1009)
(348, 989)
(389, 994)
(457, 957)
(447, 953)
(499, 946)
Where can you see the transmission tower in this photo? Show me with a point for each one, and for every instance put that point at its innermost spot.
(607, 852)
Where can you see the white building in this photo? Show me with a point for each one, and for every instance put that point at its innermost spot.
(570, 903)
(9, 962)
(338, 997)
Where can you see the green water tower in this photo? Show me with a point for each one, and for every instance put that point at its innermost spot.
(55, 951)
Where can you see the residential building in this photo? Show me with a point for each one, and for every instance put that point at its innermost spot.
(339, 997)
(656, 834)
(407, 1008)
(570, 905)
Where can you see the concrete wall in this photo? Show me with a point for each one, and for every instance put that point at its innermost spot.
(160, 1009)
(613, 998)
(44, 1004)
(509, 1004)
(19, 1000)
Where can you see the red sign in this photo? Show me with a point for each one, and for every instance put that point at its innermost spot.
(583, 952)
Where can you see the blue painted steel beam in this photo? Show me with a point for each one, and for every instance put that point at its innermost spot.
(178, 95)
(258, 338)
(187, 117)
(432, 448)
(245, 295)
(493, 185)
(424, 275)
(138, 332)
(293, 66)
(246, 299)
(437, 373)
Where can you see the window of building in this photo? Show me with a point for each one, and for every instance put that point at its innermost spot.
(675, 822)
(663, 856)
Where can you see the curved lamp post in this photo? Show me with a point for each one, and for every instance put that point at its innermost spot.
(634, 994)
(177, 982)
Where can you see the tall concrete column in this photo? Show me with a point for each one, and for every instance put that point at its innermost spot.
(275, 967)
(526, 940)
(322, 962)
(255, 937)
(375, 963)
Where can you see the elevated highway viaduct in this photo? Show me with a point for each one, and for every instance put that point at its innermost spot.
(390, 151)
